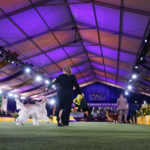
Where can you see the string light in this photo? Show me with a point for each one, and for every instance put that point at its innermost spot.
(10, 94)
(47, 81)
(27, 70)
(134, 76)
(126, 93)
(38, 78)
(129, 87)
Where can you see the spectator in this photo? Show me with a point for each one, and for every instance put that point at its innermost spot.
(122, 108)
(132, 110)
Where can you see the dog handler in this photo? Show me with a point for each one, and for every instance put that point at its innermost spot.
(65, 83)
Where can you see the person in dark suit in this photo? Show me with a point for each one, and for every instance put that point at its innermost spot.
(132, 109)
(65, 83)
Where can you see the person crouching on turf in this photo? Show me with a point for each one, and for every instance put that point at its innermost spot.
(65, 83)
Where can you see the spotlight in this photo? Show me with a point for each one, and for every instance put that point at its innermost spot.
(145, 41)
(10, 94)
(16, 96)
(52, 102)
(12, 62)
(136, 67)
(126, 93)
(54, 86)
(47, 81)
(1, 91)
(38, 78)
(134, 76)
(27, 70)
(141, 58)
(22, 98)
(129, 87)
(130, 80)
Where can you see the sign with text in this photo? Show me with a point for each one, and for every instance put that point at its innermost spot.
(97, 97)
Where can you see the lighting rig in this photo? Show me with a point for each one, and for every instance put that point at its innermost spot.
(26, 67)
(140, 61)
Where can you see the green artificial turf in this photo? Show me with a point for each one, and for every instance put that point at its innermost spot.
(78, 136)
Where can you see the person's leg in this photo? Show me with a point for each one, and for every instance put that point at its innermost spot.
(131, 115)
(120, 116)
(135, 117)
(125, 115)
(59, 106)
(67, 108)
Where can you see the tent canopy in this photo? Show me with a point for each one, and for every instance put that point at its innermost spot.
(100, 39)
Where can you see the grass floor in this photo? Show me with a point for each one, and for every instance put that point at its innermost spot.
(78, 136)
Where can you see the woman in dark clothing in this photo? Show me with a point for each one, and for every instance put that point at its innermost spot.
(65, 84)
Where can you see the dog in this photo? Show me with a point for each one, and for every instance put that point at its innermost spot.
(36, 111)
(112, 117)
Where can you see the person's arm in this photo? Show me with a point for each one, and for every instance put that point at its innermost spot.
(117, 101)
(77, 85)
(54, 81)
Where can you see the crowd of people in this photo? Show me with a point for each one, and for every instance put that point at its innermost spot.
(6, 113)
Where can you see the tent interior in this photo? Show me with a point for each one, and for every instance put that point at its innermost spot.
(103, 41)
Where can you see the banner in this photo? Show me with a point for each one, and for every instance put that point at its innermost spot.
(4, 103)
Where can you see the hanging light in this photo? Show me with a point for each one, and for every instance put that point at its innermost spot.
(134, 76)
(16, 96)
(12, 62)
(54, 86)
(145, 40)
(136, 67)
(27, 70)
(47, 81)
(38, 78)
(141, 58)
(126, 93)
(52, 101)
(129, 87)
(10, 94)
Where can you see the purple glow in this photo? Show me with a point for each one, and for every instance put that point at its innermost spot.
(101, 78)
(124, 73)
(2, 43)
(108, 18)
(98, 66)
(111, 70)
(72, 51)
(93, 50)
(11, 35)
(125, 57)
(43, 60)
(83, 13)
(134, 24)
(50, 13)
(57, 55)
(30, 22)
(111, 81)
(84, 67)
(109, 53)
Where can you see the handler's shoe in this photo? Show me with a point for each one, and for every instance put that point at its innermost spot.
(60, 125)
